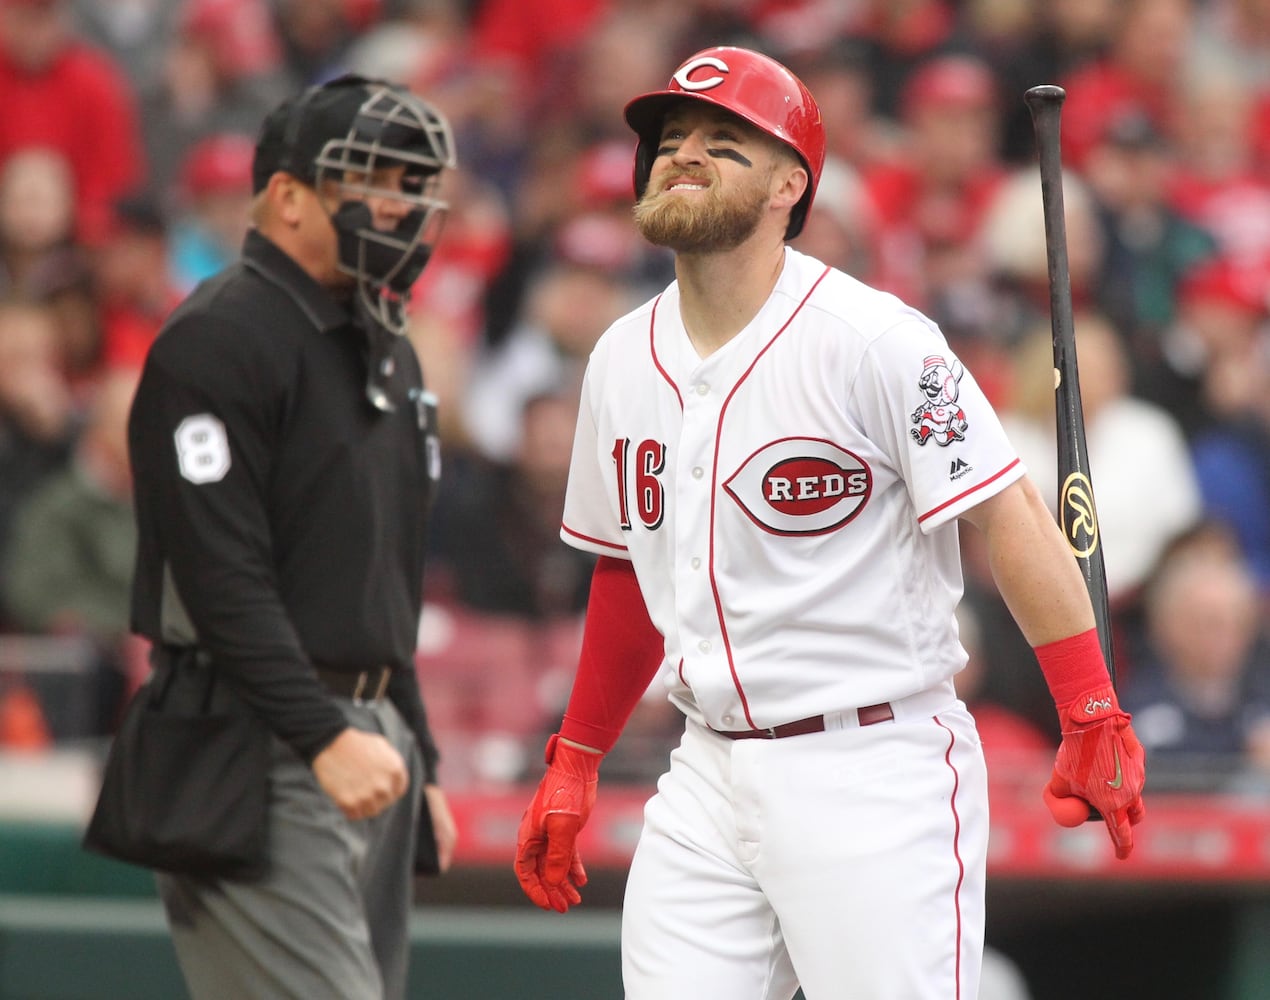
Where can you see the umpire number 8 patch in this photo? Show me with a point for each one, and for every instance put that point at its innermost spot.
(202, 448)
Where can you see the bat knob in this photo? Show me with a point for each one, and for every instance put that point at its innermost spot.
(1045, 93)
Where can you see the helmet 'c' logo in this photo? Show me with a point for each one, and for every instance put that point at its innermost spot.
(684, 73)
(801, 486)
(1077, 514)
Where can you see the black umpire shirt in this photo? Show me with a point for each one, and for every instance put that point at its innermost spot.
(281, 516)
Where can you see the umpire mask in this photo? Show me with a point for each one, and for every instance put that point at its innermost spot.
(385, 232)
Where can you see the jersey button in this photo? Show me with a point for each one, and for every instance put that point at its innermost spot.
(698, 472)
(696, 562)
(702, 388)
(704, 645)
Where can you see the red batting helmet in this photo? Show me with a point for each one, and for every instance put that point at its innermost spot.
(752, 86)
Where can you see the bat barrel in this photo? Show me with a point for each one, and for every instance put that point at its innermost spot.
(1045, 103)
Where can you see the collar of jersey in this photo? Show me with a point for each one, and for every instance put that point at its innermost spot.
(264, 257)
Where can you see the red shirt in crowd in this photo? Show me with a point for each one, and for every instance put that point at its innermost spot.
(1099, 93)
(81, 106)
(915, 217)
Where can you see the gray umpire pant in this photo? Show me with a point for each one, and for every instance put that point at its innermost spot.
(331, 919)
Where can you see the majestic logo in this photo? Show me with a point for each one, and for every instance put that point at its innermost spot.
(801, 486)
(939, 418)
(958, 467)
(683, 76)
(1077, 516)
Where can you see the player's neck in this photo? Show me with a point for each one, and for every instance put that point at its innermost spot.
(719, 294)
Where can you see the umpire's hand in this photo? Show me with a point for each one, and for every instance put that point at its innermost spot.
(362, 773)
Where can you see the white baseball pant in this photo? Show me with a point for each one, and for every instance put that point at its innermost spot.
(851, 862)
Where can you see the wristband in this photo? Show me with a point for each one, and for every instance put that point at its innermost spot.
(1073, 666)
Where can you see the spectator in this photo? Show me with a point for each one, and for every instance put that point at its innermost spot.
(1016, 255)
(452, 295)
(135, 33)
(843, 231)
(1217, 342)
(568, 304)
(1149, 245)
(37, 221)
(1200, 702)
(933, 197)
(527, 46)
(507, 515)
(504, 597)
(1232, 459)
(1134, 447)
(623, 49)
(599, 227)
(425, 43)
(315, 36)
(68, 569)
(1234, 35)
(1065, 36)
(898, 37)
(221, 73)
(212, 207)
(59, 92)
(134, 287)
(1142, 71)
(542, 205)
(40, 259)
(1222, 184)
(839, 71)
(38, 420)
(1226, 396)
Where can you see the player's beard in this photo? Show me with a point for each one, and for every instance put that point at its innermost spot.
(702, 222)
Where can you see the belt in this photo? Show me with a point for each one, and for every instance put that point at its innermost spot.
(870, 715)
(359, 685)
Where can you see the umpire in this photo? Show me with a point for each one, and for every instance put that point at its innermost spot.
(285, 454)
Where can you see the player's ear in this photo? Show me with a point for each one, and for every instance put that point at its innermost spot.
(789, 181)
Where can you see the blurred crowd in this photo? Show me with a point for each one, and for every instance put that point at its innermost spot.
(125, 149)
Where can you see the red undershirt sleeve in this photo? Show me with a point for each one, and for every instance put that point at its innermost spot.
(621, 652)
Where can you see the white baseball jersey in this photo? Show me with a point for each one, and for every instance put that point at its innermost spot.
(789, 502)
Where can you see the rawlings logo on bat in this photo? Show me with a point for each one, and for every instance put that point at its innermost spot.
(1077, 516)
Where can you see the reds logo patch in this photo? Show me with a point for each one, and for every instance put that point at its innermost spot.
(801, 486)
(939, 418)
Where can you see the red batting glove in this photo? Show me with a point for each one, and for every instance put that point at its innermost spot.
(1100, 763)
(547, 862)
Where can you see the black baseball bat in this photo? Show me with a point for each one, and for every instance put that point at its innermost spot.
(1078, 514)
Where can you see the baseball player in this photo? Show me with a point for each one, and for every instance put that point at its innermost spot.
(771, 461)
